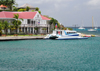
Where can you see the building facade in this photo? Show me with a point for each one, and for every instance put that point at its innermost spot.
(27, 5)
(31, 20)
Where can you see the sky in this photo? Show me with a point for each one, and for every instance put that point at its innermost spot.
(69, 12)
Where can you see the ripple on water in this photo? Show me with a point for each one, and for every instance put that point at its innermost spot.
(50, 55)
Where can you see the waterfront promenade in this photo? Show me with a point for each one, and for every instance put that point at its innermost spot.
(8, 38)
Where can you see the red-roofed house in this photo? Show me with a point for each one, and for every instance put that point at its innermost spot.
(3, 7)
(30, 21)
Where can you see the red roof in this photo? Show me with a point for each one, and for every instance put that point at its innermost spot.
(45, 18)
(3, 6)
(24, 15)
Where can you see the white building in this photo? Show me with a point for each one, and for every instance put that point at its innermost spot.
(27, 5)
(30, 21)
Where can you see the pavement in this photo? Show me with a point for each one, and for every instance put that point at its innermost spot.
(8, 38)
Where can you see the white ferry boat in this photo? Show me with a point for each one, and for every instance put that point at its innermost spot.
(64, 35)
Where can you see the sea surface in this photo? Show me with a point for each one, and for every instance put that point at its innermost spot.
(85, 31)
(51, 55)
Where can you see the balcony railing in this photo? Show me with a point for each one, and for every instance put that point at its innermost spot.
(36, 25)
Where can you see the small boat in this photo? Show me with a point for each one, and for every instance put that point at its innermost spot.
(93, 35)
(81, 28)
(64, 35)
(86, 35)
(92, 30)
(96, 28)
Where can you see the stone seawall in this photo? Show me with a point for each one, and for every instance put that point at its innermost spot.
(9, 38)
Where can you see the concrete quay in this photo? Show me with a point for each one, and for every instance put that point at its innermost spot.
(10, 38)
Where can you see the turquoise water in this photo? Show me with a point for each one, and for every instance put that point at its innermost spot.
(88, 32)
(50, 55)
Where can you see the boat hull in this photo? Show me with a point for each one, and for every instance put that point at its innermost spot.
(66, 37)
(92, 30)
(53, 37)
(71, 38)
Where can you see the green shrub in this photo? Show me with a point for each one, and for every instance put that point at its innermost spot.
(33, 10)
(21, 10)
(21, 33)
(4, 10)
(69, 28)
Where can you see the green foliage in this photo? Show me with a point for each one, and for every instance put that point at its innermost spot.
(1, 28)
(21, 10)
(6, 26)
(36, 9)
(58, 25)
(16, 22)
(53, 21)
(27, 8)
(4, 10)
(39, 12)
(44, 28)
(15, 9)
(36, 28)
(69, 28)
(33, 10)
(8, 3)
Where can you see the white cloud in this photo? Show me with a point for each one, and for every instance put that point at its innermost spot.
(41, 1)
(94, 2)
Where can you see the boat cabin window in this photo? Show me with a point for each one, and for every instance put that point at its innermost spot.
(71, 32)
(59, 32)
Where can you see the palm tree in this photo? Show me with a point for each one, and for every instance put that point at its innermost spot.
(6, 25)
(10, 4)
(17, 21)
